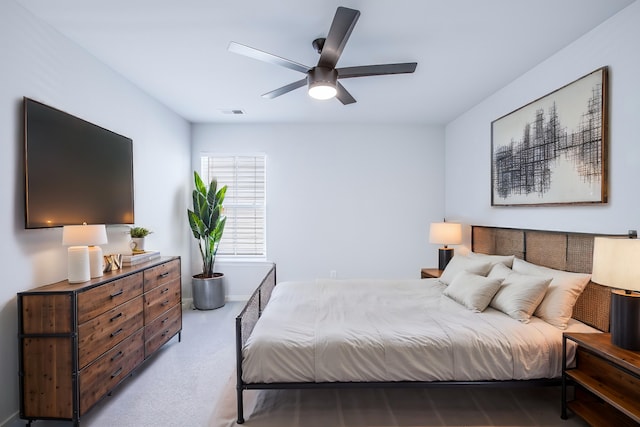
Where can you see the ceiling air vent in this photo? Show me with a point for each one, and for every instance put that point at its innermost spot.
(234, 112)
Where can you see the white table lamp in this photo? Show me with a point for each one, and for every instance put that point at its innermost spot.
(616, 263)
(445, 233)
(84, 259)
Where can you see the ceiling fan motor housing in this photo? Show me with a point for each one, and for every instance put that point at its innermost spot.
(322, 80)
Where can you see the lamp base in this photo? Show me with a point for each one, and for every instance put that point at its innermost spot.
(96, 261)
(444, 256)
(625, 320)
(78, 264)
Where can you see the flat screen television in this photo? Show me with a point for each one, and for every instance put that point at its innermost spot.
(75, 171)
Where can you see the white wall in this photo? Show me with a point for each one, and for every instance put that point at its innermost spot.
(615, 44)
(39, 63)
(351, 198)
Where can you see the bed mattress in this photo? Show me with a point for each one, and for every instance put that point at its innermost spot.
(393, 330)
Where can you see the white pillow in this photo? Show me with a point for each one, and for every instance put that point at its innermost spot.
(461, 263)
(499, 271)
(520, 294)
(556, 307)
(472, 291)
(494, 259)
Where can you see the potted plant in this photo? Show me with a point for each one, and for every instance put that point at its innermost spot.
(207, 224)
(137, 238)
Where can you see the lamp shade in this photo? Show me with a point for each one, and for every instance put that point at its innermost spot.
(616, 263)
(445, 233)
(84, 235)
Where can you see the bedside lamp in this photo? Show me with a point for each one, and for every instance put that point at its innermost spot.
(445, 233)
(84, 257)
(616, 263)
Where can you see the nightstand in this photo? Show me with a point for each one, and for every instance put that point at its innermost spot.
(606, 379)
(430, 273)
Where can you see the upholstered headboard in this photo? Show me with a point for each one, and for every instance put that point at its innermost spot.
(566, 251)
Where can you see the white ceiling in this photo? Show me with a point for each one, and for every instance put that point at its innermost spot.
(176, 51)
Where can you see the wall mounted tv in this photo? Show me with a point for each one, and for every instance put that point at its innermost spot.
(75, 171)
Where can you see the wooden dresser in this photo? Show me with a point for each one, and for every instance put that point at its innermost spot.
(77, 342)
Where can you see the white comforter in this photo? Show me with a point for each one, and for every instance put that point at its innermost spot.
(400, 330)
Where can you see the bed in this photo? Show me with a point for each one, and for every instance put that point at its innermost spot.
(451, 331)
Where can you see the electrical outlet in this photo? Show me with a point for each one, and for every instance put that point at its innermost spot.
(332, 274)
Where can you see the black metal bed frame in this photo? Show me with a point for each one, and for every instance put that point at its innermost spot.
(250, 314)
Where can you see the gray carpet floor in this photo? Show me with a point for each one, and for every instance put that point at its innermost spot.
(186, 382)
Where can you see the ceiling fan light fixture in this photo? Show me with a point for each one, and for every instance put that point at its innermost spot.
(322, 91)
(322, 83)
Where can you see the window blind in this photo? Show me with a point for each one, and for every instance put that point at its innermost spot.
(244, 203)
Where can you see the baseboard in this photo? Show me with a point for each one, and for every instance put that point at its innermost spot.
(237, 297)
(187, 303)
(13, 421)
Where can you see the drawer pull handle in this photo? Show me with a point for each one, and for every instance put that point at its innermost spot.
(165, 290)
(115, 317)
(116, 333)
(165, 303)
(164, 334)
(163, 275)
(120, 292)
(116, 373)
(117, 356)
(164, 320)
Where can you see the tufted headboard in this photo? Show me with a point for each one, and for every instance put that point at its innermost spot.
(566, 251)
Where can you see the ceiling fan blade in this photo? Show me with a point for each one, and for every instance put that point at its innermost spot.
(376, 70)
(266, 57)
(343, 95)
(341, 27)
(285, 89)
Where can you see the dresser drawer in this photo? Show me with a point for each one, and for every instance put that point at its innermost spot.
(103, 332)
(97, 300)
(163, 273)
(171, 327)
(160, 299)
(163, 322)
(105, 373)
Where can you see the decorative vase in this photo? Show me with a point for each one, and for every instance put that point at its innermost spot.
(208, 292)
(137, 244)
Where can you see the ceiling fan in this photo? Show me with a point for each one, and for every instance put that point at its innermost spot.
(322, 79)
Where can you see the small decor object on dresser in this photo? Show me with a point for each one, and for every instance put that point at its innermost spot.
(138, 257)
(112, 262)
(553, 150)
(137, 238)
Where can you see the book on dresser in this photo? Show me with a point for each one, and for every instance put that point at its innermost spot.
(138, 257)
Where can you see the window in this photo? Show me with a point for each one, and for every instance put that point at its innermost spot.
(244, 203)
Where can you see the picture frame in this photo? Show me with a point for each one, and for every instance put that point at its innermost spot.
(553, 151)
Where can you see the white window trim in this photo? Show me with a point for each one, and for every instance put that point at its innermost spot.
(243, 258)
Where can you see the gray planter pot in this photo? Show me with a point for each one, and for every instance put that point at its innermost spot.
(208, 293)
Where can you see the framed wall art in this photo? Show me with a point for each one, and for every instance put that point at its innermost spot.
(553, 150)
